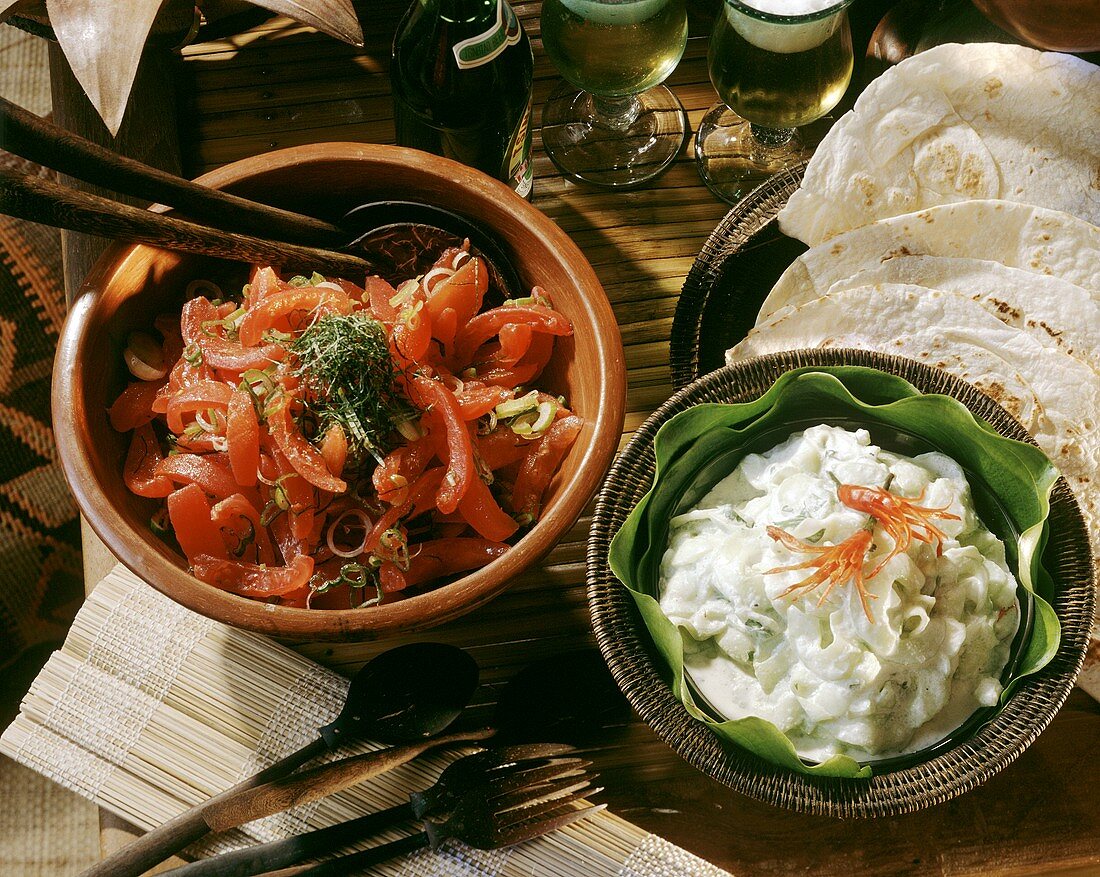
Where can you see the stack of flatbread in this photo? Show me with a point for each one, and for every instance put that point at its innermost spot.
(952, 218)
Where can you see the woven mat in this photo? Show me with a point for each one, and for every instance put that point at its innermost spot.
(150, 708)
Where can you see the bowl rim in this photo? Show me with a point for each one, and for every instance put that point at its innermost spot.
(422, 610)
(640, 672)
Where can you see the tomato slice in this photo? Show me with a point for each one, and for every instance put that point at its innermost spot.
(196, 532)
(515, 339)
(298, 493)
(463, 291)
(253, 580)
(291, 310)
(304, 457)
(523, 372)
(378, 292)
(460, 450)
(334, 449)
(218, 351)
(489, 323)
(476, 400)
(442, 557)
(412, 332)
(139, 470)
(242, 434)
(197, 397)
(134, 406)
(400, 468)
(502, 447)
(208, 471)
(482, 512)
(421, 497)
(241, 519)
(540, 465)
(444, 328)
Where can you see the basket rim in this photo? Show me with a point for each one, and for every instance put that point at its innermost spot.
(625, 645)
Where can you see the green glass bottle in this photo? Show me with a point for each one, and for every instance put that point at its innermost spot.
(462, 73)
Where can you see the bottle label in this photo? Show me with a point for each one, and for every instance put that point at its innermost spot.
(518, 167)
(481, 49)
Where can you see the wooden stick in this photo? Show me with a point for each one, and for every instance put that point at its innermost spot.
(35, 139)
(183, 830)
(26, 196)
(320, 782)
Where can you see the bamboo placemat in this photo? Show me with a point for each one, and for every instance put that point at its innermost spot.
(150, 708)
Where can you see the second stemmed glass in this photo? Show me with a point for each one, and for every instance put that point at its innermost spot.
(611, 123)
(774, 73)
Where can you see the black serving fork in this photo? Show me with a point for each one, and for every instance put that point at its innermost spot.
(500, 771)
(483, 819)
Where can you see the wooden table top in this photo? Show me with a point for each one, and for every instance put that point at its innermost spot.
(282, 85)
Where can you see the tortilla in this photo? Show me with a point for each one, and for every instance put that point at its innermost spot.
(957, 122)
(1055, 396)
(1040, 304)
(1017, 235)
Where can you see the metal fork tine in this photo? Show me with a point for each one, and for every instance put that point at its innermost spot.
(533, 828)
(546, 802)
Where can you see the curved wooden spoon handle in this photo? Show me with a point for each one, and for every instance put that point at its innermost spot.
(25, 134)
(181, 831)
(319, 782)
(152, 848)
(26, 196)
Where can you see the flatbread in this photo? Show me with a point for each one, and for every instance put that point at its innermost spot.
(1017, 235)
(954, 123)
(1055, 396)
(1056, 311)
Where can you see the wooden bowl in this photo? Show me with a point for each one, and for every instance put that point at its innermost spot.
(1057, 25)
(131, 284)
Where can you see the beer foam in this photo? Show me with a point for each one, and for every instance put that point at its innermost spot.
(785, 37)
(616, 13)
(790, 7)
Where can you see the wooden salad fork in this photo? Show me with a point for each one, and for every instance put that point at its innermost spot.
(497, 772)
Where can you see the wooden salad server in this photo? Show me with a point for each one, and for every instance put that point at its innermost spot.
(27, 196)
(406, 695)
(25, 134)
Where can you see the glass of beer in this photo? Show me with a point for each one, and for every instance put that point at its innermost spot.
(776, 65)
(611, 122)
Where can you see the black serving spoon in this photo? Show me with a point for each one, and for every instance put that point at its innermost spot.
(405, 695)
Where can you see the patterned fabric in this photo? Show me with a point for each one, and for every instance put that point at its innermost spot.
(41, 580)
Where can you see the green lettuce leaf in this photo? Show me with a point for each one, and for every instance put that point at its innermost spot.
(698, 447)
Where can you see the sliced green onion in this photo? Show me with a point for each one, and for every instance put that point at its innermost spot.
(527, 426)
(405, 293)
(515, 407)
(192, 353)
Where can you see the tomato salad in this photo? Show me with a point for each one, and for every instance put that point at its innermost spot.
(325, 445)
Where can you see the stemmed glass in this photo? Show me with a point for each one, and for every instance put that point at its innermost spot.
(610, 122)
(774, 72)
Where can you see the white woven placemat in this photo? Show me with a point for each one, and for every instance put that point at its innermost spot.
(149, 709)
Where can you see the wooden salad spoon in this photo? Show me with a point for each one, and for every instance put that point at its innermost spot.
(407, 695)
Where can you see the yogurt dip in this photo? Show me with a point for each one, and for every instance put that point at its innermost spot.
(942, 612)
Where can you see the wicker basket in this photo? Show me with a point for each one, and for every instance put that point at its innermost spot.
(640, 673)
